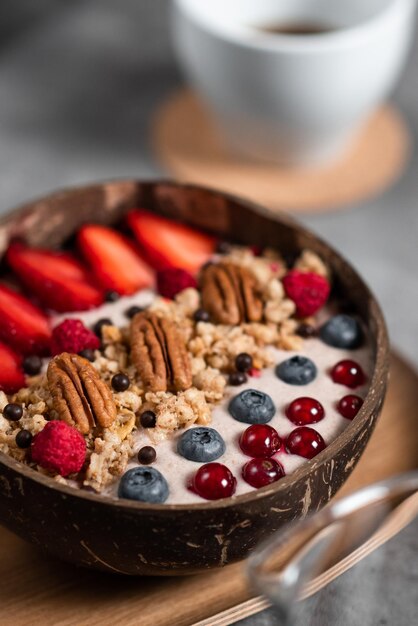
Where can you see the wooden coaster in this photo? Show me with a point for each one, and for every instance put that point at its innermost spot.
(188, 144)
(39, 590)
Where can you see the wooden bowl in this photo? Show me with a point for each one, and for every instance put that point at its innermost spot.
(147, 539)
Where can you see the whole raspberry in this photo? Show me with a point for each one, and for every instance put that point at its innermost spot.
(173, 280)
(59, 448)
(308, 291)
(72, 336)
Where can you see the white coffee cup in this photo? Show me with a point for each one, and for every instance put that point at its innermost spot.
(293, 99)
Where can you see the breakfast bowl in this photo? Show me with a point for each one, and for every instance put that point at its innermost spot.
(129, 537)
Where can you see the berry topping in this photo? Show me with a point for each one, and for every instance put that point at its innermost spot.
(201, 444)
(244, 362)
(72, 336)
(23, 439)
(111, 296)
(88, 354)
(308, 291)
(262, 472)
(348, 373)
(252, 407)
(147, 455)
(32, 365)
(133, 310)
(13, 412)
(305, 441)
(120, 382)
(169, 244)
(59, 448)
(23, 325)
(57, 279)
(305, 411)
(306, 330)
(113, 259)
(145, 484)
(260, 441)
(11, 373)
(200, 315)
(298, 370)
(256, 250)
(342, 331)
(173, 280)
(98, 327)
(213, 481)
(237, 378)
(349, 406)
(148, 419)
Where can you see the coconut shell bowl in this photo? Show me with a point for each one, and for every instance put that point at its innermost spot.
(128, 537)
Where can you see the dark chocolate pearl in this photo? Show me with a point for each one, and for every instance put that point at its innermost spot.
(290, 259)
(223, 247)
(13, 412)
(98, 327)
(120, 382)
(23, 439)
(243, 362)
(148, 419)
(32, 365)
(111, 296)
(88, 354)
(147, 455)
(133, 310)
(306, 330)
(200, 315)
(237, 378)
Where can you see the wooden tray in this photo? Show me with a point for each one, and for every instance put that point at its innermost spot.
(36, 589)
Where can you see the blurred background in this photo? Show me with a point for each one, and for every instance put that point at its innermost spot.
(79, 84)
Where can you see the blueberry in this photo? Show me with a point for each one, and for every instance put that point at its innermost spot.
(32, 365)
(252, 407)
(201, 445)
(145, 484)
(342, 331)
(298, 370)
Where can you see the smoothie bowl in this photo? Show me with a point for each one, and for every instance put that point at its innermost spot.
(183, 373)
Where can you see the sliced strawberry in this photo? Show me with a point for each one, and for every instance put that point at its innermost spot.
(11, 372)
(113, 259)
(23, 325)
(168, 244)
(58, 280)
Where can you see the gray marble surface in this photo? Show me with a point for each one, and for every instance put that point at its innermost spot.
(79, 82)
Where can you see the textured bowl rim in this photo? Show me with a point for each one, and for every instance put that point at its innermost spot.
(378, 378)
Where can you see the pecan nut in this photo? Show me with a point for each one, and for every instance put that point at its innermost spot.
(159, 353)
(230, 294)
(80, 396)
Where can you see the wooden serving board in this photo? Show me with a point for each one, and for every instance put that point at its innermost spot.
(35, 589)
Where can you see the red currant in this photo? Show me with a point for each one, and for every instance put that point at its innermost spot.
(213, 481)
(305, 411)
(260, 440)
(348, 373)
(305, 442)
(349, 406)
(261, 472)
